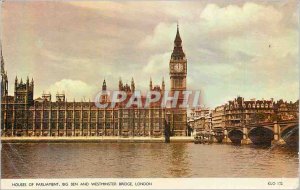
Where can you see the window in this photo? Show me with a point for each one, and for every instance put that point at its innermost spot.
(177, 83)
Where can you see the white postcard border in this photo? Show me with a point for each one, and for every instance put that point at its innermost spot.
(151, 183)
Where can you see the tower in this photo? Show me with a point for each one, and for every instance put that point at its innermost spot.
(150, 85)
(132, 85)
(120, 85)
(104, 96)
(178, 65)
(178, 72)
(24, 91)
(104, 85)
(4, 80)
(60, 97)
(163, 85)
(46, 97)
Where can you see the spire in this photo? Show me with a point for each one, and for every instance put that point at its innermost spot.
(177, 51)
(177, 41)
(2, 60)
(150, 84)
(120, 84)
(104, 85)
(132, 85)
(4, 79)
(163, 84)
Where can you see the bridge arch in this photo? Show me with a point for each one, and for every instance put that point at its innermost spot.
(290, 134)
(261, 135)
(289, 127)
(262, 126)
(235, 135)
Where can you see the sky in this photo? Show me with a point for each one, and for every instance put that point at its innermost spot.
(233, 48)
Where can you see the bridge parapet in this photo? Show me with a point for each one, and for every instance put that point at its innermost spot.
(271, 123)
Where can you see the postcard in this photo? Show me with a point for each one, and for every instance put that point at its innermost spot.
(149, 94)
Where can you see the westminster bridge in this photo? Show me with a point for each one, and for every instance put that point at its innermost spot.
(277, 132)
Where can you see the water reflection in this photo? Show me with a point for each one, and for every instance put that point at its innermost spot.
(146, 160)
(179, 163)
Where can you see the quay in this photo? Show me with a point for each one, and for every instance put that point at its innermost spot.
(92, 139)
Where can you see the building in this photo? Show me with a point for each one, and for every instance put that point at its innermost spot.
(218, 118)
(239, 115)
(200, 119)
(178, 72)
(239, 112)
(286, 110)
(200, 112)
(22, 115)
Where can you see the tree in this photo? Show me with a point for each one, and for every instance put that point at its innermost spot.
(258, 117)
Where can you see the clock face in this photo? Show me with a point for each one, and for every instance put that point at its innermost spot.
(178, 67)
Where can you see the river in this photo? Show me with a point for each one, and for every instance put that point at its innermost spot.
(105, 160)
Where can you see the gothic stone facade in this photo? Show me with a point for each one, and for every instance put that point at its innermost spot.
(61, 118)
(22, 115)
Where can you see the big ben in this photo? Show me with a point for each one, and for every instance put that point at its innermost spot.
(178, 72)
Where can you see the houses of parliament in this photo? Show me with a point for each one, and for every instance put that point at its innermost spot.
(23, 115)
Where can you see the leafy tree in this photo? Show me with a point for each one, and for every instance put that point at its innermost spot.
(258, 117)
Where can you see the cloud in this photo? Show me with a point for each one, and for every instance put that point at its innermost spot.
(239, 19)
(160, 39)
(157, 63)
(232, 47)
(73, 89)
(236, 50)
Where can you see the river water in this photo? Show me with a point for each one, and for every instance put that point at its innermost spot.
(92, 160)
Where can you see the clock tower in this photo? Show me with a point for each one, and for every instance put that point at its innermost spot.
(178, 72)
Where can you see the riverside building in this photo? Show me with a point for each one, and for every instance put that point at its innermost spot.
(239, 112)
(22, 115)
